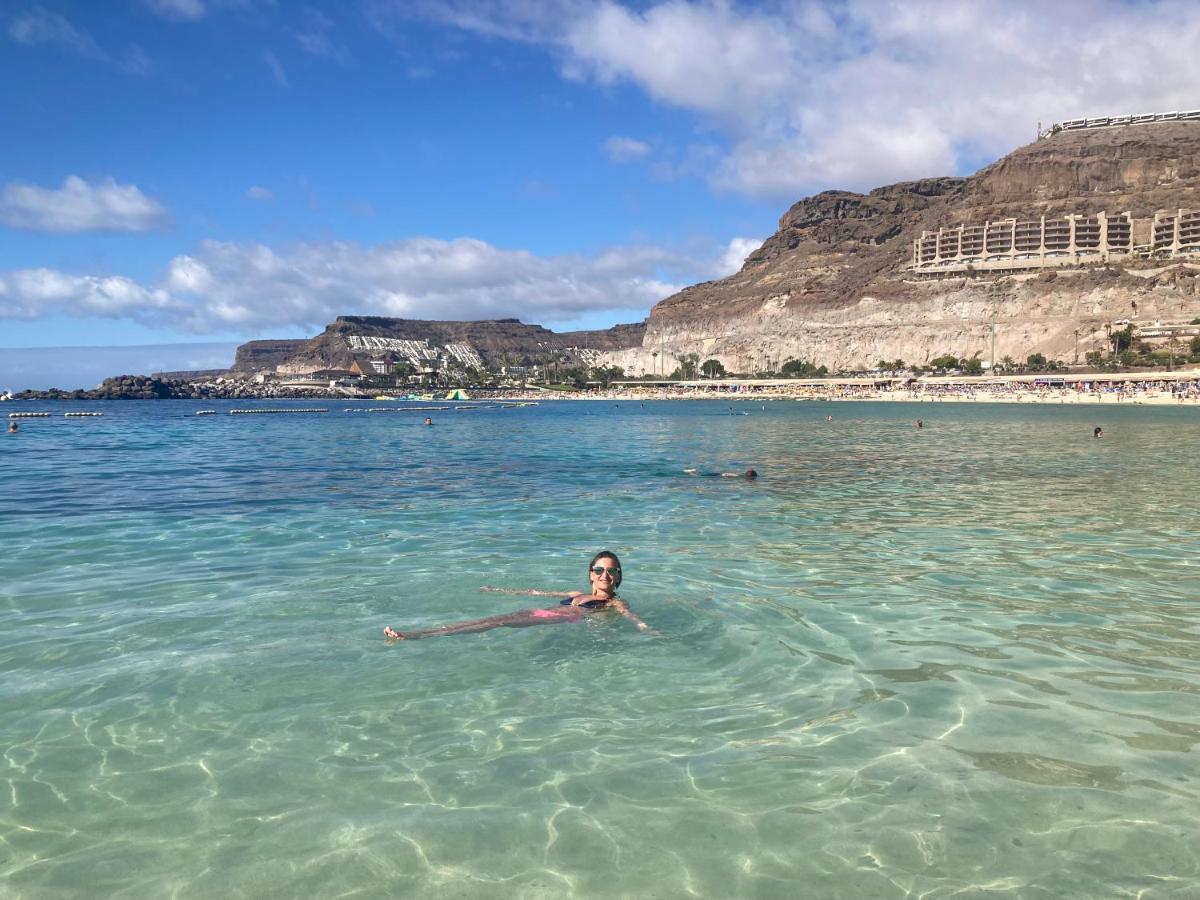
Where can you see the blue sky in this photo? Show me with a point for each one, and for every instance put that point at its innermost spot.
(189, 171)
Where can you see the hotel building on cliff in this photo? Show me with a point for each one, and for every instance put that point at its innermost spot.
(1015, 245)
(1009, 246)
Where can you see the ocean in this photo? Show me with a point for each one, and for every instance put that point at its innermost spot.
(956, 661)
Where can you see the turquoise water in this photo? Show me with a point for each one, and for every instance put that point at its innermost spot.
(956, 662)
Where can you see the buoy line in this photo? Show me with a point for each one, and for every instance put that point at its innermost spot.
(37, 415)
(394, 409)
(206, 412)
(87, 414)
(263, 412)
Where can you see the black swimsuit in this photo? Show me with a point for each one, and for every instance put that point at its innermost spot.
(587, 604)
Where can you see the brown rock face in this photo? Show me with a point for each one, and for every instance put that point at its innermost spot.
(830, 285)
(498, 342)
(257, 356)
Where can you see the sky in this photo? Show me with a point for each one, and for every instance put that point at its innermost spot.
(206, 172)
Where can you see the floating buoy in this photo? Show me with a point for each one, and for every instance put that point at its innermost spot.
(29, 415)
(206, 412)
(83, 414)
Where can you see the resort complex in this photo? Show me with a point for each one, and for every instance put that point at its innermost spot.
(1012, 245)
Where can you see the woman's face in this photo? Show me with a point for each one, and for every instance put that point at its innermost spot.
(606, 582)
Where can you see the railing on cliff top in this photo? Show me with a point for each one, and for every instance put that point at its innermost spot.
(1113, 121)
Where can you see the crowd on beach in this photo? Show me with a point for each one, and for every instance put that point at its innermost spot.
(1089, 389)
(1073, 391)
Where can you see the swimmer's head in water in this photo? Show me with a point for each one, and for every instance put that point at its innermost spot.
(607, 561)
(750, 473)
(1097, 431)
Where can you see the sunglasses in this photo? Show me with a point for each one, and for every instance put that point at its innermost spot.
(600, 570)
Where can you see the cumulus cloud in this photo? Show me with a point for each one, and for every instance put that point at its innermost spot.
(857, 93)
(625, 149)
(257, 192)
(33, 293)
(80, 206)
(735, 255)
(250, 287)
(713, 58)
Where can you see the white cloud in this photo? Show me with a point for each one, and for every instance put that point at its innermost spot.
(251, 287)
(80, 206)
(33, 293)
(858, 93)
(257, 192)
(276, 68)
(625, 149)
(40, 26)
(706, 57)
(179, 10)
(735, 255)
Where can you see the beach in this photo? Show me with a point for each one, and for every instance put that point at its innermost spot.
(1176, 389)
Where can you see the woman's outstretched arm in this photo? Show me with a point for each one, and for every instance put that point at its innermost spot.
(623, 608)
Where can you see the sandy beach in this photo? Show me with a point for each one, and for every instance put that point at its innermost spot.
(1147, 398)
(1149, 389)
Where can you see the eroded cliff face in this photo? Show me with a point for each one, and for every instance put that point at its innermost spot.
(830, 285)
(258, 356)
(498, 342)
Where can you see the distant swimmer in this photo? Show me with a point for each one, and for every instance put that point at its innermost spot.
(920, 424)
(749, 474)
(604, 572)
(13, 427)
(428, 421)
(1097, 432)
(829, 418)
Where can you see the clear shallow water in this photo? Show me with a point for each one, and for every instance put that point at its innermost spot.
(959, 662)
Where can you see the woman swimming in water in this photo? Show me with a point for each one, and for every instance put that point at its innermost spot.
(604, 572)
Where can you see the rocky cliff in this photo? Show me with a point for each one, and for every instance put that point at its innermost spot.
(257, 356)
(498, 342)
(831, 285)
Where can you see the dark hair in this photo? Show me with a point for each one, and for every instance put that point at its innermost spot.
(750, 473)
(610, 555)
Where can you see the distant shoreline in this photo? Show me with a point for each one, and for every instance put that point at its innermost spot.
(1178, 388)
